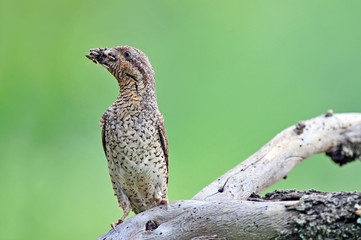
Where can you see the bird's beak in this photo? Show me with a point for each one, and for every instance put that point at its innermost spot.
(96, 54)
(100, 55)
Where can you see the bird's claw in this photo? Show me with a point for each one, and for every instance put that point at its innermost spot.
(115, 224)
(162, 201)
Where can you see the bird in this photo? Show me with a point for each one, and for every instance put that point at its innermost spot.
(133, 133)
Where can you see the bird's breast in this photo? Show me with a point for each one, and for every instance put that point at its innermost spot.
(132, 136)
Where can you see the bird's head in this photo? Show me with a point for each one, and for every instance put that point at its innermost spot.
(124, 62)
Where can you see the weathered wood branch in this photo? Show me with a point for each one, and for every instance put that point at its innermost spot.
(193, 219)
(321, 215)
(221, 210)
(279, 156)
(280, 215)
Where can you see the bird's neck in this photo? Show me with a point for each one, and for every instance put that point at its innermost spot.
(137, 95)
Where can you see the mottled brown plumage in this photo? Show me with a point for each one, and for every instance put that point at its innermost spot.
(133, 133)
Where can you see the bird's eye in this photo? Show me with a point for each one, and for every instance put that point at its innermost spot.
(127, 54)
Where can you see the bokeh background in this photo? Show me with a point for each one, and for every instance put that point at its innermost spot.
(230, 75)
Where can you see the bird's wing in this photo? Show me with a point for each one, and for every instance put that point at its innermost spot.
(164, 142)
(102, 122)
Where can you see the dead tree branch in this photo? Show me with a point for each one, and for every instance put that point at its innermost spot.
(279, 156)
(225, 210)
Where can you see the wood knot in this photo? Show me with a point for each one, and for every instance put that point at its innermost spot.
(300, 126)
(344, 153)
(151, 225)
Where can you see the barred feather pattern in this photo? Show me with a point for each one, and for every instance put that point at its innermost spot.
(133, 132)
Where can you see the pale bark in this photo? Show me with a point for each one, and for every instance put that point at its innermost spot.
(279, 156)
(221, 210)
(193, 219)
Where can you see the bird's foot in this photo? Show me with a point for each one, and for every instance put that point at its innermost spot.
(114, 224)
(162, 201)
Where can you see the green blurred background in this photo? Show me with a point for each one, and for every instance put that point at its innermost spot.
(230, 75)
